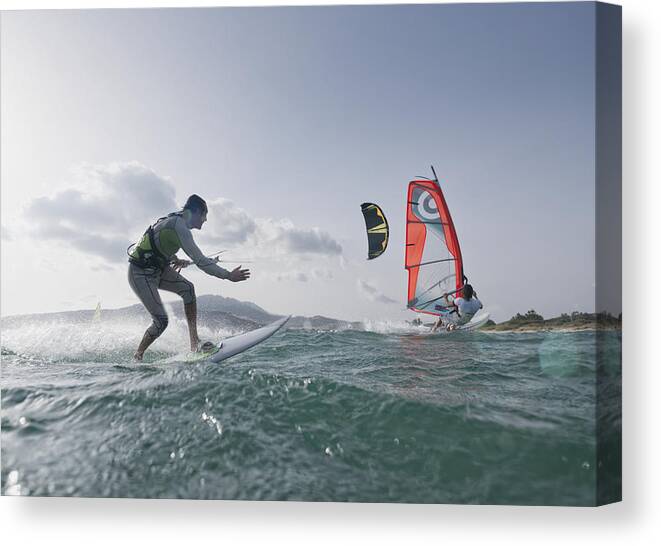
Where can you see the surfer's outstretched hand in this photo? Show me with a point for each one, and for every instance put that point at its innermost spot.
(239, 274)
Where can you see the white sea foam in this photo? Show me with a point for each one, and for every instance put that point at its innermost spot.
(393, 327)
(58, 339)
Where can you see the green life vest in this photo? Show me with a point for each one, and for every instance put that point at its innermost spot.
(148, 254)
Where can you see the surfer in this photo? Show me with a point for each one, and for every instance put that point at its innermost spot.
(463, 309)
(154, 265)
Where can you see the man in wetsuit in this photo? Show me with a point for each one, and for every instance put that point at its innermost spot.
(154, 265)
(464, 309)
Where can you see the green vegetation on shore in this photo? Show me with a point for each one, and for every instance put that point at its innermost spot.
(574, 321)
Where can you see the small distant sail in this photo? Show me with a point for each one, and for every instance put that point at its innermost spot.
(433, 256)
(97, 313)
(377, 230)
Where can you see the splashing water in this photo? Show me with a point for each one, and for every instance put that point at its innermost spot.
(380, 415)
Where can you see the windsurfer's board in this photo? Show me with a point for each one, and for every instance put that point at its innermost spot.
(234, 345)
(479, 320)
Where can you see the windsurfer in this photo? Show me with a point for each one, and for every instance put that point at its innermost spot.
(154, 265)
(462, 309)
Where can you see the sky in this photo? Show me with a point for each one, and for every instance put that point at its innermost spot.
(285, 120)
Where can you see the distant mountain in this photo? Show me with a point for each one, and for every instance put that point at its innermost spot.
(213, 311)
(250, 311)
(323, 323)
(241, 309)
(246, 310)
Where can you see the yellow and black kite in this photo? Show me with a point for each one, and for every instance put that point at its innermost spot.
(377, 229)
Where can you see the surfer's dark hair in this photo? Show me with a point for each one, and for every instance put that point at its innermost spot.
(468, 291)
(194, 203)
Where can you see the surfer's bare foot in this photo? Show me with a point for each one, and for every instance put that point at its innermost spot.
(137, 357)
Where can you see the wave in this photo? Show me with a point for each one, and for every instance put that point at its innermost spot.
(105, 341)
(309, 415)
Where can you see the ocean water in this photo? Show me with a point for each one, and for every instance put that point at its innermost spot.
(386, 415)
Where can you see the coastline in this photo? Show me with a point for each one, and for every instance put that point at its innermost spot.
(532, 322)
(532, 329)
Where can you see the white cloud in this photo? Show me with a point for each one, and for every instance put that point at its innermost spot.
(104, 210)
(315, 274)
(289, 276)
(233, 226)
(322, 274)
(372, 293)
(313, 241)
(227, 224)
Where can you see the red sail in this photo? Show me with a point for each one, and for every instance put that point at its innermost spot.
(433, 255)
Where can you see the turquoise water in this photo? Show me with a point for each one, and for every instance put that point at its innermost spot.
(312, 416)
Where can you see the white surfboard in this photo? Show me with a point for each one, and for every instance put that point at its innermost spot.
(242, 342)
